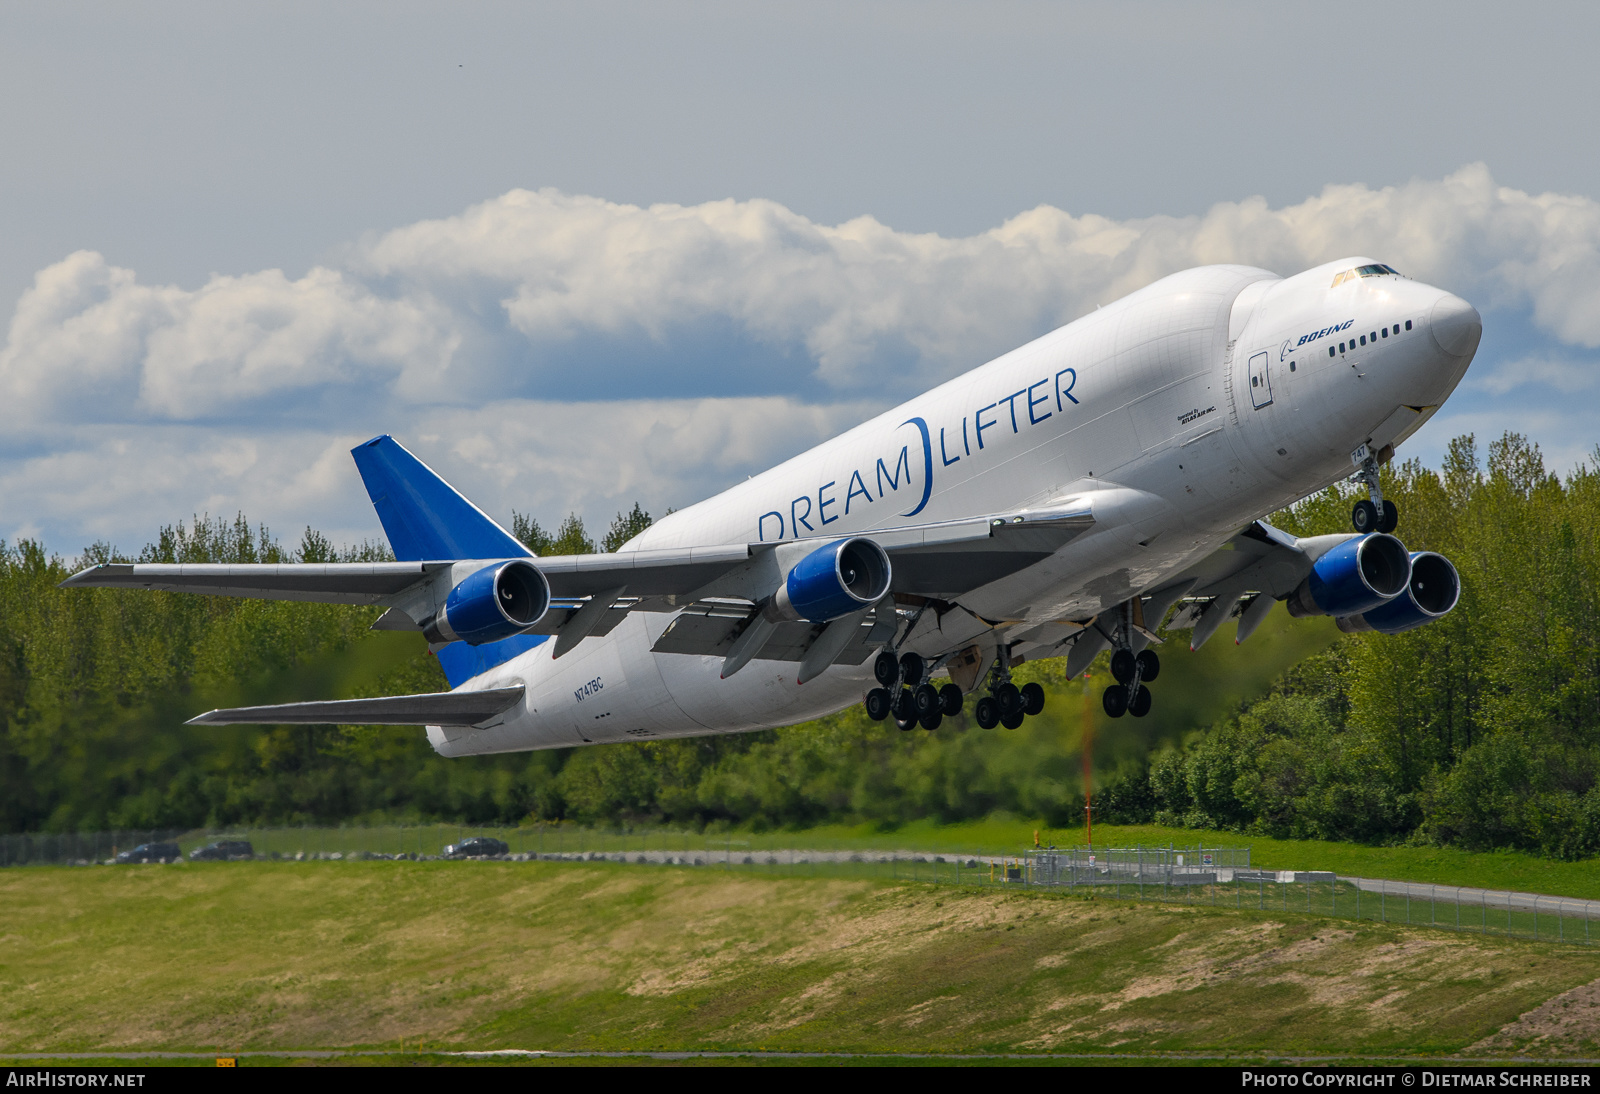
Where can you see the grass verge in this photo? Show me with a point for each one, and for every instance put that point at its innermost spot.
(602, 957)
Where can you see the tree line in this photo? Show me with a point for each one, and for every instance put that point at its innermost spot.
(1479, 730)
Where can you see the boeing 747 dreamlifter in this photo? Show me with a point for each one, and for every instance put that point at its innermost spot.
(1057, 501)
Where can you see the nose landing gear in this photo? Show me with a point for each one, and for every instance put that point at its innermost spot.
(1372, 514)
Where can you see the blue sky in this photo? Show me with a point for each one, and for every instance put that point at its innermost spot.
(578, 255)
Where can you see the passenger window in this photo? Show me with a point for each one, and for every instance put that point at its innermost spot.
(1291, 366)
(1373, 336)
(1386, 332)
(1341, 347)
(1408, 324)
(1363, 339)
(1330, 351)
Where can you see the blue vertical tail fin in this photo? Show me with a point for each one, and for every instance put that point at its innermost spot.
(427, 519)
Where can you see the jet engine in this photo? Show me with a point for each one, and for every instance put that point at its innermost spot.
(843, 577)
(494, 603)
(1356, 576)
(1434, 589)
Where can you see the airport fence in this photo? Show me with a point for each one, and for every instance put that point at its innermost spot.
(1220, 877)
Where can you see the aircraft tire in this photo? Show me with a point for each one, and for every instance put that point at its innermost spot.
(1012, 720)
(927, 701)
(905, 708)
(1009, 698)
(1149, 664)
(911, 664)
(1122, 664)
(905, 724)
(886, 668)
(1364, 517)
(950, 700)
(878, 704)
(1115, 700)
(1141, 703)
(1390, 518)
(987, 712)
(1032, 699)
(930, 721)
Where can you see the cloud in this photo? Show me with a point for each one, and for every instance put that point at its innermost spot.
(694, 343)
(1566, 374)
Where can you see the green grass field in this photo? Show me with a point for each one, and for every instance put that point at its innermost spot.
(1435, 865)
(425, 957)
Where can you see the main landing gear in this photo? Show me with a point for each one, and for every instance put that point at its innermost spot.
(906, 695)
(1372, 514)
(1129, 695)
(1130, 670)
(1006, 704)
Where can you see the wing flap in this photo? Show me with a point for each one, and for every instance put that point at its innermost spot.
(449, 708)
(708, 628)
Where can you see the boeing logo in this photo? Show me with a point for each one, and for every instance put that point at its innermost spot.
(1312, 337)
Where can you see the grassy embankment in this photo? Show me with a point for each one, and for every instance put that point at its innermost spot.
(598, 956)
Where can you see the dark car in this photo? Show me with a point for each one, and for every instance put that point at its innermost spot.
(151, 852)
(223, 850)
(477, 847)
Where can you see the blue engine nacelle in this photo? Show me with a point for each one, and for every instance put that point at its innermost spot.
(1357, 576)
(843, 577)
(494, 603)
(1434, 589)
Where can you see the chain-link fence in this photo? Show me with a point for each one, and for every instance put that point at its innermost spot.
(1222, 877)
(78, 848)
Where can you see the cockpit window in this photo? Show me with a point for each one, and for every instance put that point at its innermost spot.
(1375, 270)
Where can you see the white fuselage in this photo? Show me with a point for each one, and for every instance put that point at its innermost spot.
(1144, 410)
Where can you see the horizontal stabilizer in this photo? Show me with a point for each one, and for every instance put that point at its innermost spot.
(446, 708)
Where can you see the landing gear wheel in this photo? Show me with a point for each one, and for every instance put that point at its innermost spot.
(879, 704)
(930, 722)
(911, 664)
(1115, 700)
(1141, 702)
(1122, 663)
(987, 712)
(905, 709)
(904, 724)
(950, 700)
(1390, 518)
(1010, 700)
(886, 669)
(927, 701)
(1013, 720)
(1032, 699)
(1149, 665)
(1364, 517)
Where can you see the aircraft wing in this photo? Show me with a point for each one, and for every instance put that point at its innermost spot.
(448, 708)
(944, 560)
(318, 582)
(1254, 568)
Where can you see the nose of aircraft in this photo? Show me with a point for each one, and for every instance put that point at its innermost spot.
(1456, 326)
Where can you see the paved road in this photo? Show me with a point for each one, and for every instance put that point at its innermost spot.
(1486, 899)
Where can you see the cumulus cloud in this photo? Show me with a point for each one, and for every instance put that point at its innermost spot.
(1567, 375)
(700, 341)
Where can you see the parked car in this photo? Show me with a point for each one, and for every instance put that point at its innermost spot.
(150, 852)
(477, 847)
(223, 850)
